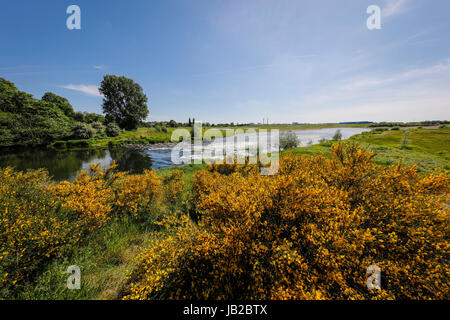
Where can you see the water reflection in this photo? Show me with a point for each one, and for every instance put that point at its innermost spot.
(65, 164)
(131, 160)
(61, 164)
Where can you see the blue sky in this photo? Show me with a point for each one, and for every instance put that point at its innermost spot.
(238, 60)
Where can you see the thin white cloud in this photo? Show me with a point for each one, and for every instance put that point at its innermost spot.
(416, 94)
(394, 7)
(100, 67)
(90, 90)
(441, 68)
(434, 106)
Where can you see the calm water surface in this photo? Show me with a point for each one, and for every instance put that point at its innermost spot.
(65, 164)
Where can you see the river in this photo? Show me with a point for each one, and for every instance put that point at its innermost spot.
(64, 164)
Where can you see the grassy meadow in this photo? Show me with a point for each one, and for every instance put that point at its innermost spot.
(426, 148)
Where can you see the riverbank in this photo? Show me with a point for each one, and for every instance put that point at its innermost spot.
(150, 136)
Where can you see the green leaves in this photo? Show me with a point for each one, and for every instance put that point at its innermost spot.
(25, 121)
(125, 102)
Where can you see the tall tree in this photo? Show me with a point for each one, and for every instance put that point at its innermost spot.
(61, 102)
(172, 124)
(11, 99)
(124, 101)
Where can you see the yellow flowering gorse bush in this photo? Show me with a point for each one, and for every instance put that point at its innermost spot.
(309, 232)
(137, 192)
(90, 194)
(34, 227)
(41, 220)
(174, 186)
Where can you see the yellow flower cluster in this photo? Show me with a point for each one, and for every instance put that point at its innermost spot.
(33, 226)
(136, 193)
(310, 232)
(174, 186)
(40, 220)
(90, 194)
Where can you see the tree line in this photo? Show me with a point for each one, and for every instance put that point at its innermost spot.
(27, 121)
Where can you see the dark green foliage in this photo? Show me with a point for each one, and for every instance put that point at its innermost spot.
(25, 121)
(173, 124)
(124, 101)
(61, 102)
(87, 117)
(112, 130)
(11, 99)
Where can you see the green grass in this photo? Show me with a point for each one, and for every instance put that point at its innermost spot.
(103, 258)
(152, 136)
(433, 141)
(139, 136)
(426, 148)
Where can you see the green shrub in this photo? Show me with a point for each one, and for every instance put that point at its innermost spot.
(395, 128)
(98, 126)
(337, 136)
(83, 131)
(289, 140)
(160, 128)
(112, 130)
